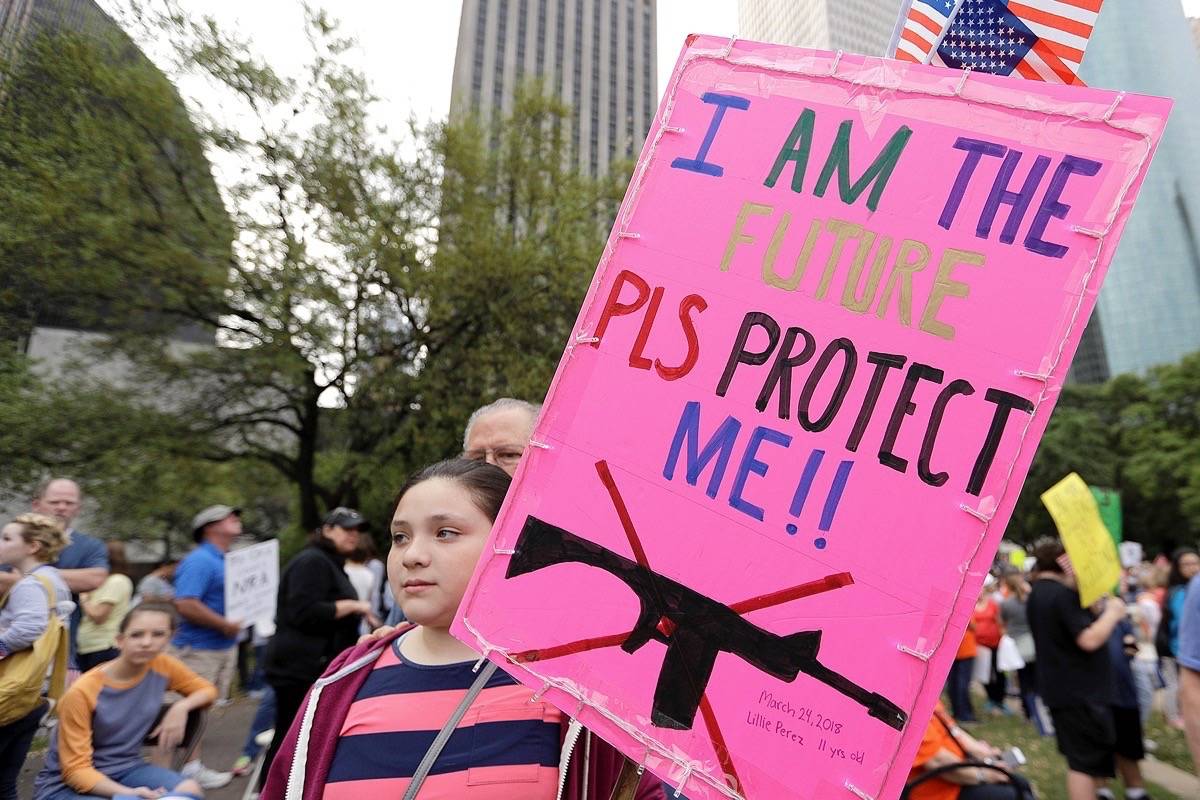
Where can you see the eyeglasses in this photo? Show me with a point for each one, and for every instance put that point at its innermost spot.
(504, 456)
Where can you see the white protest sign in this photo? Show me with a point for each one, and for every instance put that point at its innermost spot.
(252, 582)
(1131, 553)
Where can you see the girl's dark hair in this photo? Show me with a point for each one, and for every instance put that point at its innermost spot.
(1175, 577)
(143, 608)
(486, 482)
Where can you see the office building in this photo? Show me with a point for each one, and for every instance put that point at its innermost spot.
(1149, 310)
(597, 56)
(855, 26)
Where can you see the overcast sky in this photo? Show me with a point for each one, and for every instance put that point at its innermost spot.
(406, 47)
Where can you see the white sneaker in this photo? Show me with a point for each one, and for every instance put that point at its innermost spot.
(207, 778)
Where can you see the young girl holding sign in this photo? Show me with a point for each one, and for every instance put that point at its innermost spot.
(369, 725)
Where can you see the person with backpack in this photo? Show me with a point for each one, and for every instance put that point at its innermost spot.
(34, 615)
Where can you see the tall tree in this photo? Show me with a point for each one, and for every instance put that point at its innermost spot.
(1137, 435)
(371, 299)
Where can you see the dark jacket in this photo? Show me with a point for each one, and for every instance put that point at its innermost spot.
(307, 634)
(319, 726)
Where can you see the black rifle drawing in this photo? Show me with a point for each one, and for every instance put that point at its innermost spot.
(694, 629)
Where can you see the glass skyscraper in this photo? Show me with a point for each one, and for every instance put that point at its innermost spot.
(1149, 309)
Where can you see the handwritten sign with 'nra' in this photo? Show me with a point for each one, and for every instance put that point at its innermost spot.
(806, 384)
(252, 582)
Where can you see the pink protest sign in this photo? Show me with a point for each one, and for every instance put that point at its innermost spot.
(806, 385)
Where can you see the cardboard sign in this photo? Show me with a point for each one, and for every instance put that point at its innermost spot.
(1108, 503)
(804, 389)
(1088, 542)
(1131, 553)
(252, 583)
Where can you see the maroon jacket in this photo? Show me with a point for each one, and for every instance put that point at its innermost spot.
(335, 695)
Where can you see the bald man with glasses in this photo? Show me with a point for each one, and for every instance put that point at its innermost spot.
(499, 432)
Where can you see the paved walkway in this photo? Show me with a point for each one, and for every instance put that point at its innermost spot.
(1173, 779)
(223, 740)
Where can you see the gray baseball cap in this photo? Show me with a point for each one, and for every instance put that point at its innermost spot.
(210, 515)
(346, 518)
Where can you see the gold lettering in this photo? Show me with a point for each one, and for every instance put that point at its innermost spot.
(850, 296)
(902, 274)
(844, 231)
(790, 283)
(945, 286)
(737, 237)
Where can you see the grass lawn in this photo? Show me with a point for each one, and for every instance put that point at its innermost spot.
(1047, 770)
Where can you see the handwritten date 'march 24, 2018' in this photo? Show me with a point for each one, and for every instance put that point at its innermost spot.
(833, 319)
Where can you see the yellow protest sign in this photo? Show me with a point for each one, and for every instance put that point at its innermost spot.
(1088, 543)
(1017, 558)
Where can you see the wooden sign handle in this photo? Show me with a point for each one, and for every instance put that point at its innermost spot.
(627, 781)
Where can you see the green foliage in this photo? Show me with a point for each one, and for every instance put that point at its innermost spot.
(1140, 436)
(375, 293)
(111, 216)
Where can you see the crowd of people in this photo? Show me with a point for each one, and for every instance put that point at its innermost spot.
(363, 692)
(1086, 676)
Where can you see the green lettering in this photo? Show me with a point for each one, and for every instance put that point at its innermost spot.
(802, 134)
(878, 173)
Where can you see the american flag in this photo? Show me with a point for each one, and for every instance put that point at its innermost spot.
(922, 28)
(1042, 40)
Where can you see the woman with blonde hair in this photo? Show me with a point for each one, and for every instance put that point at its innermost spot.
(29, 544)
(103, 610)
(1016, 622)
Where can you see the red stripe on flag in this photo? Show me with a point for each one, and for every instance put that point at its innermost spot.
(1064, 73)
(1063, 51)
(1028, 72)
(915, 39)
(904, 55)
(925, 22)
(1086, 5)
(1050, 20)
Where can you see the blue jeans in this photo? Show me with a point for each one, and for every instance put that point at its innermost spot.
(15, 739)
(264, 719)
(146, 775)
(958, 686)
(1145, 679)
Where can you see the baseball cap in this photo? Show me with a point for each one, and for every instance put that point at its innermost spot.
(210, 515)
(346, 518)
